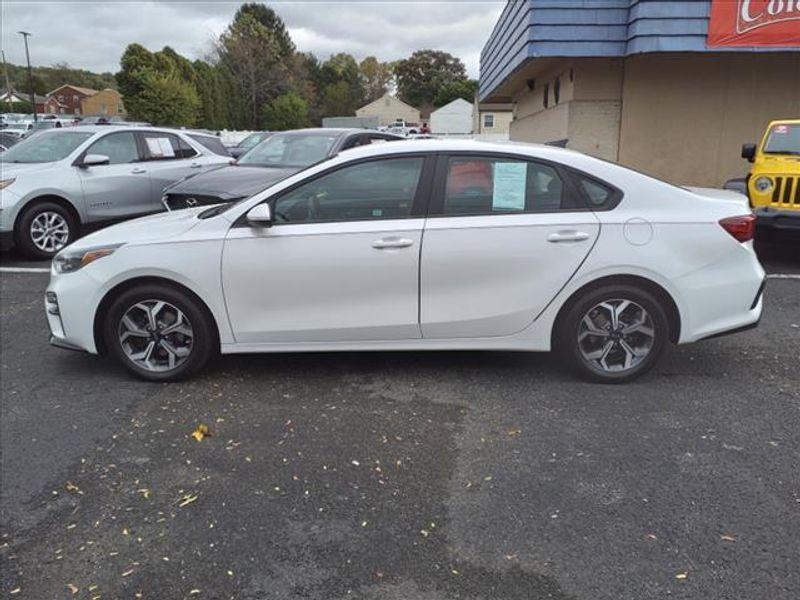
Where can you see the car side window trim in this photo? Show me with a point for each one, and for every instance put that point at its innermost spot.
(419, 206)
(575, 196)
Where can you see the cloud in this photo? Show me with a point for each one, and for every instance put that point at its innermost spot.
(93, 35)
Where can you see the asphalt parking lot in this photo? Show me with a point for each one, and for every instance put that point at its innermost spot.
(403, 475)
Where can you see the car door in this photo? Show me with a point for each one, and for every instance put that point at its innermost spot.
(120, 188)
(503, 237)
(169, 158)
(341, 261)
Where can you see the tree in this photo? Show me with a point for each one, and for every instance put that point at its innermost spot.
(340, 79)
(155, 88)
(288, 111)
(456, 89)
(375, 78)
(272, 22)
(424, 73)
(253, 54)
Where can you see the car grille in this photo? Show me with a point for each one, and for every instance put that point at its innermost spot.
(178, 201)
(787, 192)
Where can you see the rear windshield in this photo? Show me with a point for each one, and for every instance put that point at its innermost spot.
(211, 143)
(783, 139)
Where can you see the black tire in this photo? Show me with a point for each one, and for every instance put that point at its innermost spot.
(571, 325)
(22, 231)
(204, 344)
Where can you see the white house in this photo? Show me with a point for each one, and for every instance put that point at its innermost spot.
(454, 118)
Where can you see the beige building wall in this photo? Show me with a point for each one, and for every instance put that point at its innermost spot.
(686, 116)
(388, 109)
(502, 121)
(682, 117)
(106, 103)
(587, 113)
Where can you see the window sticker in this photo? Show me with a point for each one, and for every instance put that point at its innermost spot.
(781, 129)
(160, 147)
(509, 186)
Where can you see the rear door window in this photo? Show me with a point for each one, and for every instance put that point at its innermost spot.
(486, 186)
(165, 146)
(213, 144)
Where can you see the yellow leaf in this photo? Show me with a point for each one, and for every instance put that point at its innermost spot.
(201, 432)
(72, 589)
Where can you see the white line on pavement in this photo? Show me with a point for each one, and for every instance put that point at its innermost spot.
(23, 270)
(783, 276)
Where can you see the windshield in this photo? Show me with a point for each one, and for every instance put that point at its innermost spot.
(251, 140)
(290, 150)
(783, 139)
(43, 148)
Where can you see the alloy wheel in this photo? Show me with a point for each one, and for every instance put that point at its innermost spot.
(155, 335)
(49, 231)
(616, 335)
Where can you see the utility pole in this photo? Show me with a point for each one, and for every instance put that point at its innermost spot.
(26, 35)
(8, 85)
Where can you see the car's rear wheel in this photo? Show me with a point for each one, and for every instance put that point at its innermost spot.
(159, 333)
(43, 229)
(613, 334)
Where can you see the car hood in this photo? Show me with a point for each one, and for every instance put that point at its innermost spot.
(231, 182)
(166, 225)
(10, 170)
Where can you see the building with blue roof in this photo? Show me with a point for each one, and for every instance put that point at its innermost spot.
(643, 83)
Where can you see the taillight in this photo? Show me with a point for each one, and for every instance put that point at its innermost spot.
(742, 228)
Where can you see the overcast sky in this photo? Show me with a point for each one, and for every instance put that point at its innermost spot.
(93, 35)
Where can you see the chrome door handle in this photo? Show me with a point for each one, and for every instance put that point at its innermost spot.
(139, 170)
(392, 242)
(568, 236)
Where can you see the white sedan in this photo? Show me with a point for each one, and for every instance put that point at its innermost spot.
(427, 245)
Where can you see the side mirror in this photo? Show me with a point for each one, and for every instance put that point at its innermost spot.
(260, 215)
(94, 160)
(749, 152)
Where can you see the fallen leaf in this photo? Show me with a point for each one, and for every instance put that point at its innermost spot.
(651, 536)
(144, 492)
(194, 592)
(201, 432)
(126, 573)
(682, 576)
(15, 591)
(188, 499)
(73, 589)
(71, 487)
(727, 537)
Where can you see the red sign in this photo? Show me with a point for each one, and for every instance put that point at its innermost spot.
(774, 23)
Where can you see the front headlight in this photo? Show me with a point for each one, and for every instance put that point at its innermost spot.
(68, 260)
(4, 183)
(763, 184)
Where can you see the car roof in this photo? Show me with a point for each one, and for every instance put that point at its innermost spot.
(445, 145)
(113, 127)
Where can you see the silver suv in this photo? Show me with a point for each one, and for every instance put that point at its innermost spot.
(57, 182)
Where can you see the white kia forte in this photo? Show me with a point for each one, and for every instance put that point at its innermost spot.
(420, 245)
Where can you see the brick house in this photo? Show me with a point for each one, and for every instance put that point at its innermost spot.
(81, 101)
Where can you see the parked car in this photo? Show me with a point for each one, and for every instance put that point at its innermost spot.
(251, 141)
(7, 139)
(404, 129)
(60, 181)
(277, 157)
(556, 250)
(773, 184)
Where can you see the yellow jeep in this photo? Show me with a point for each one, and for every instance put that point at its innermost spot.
(773, 185)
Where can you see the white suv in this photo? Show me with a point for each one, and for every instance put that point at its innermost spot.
(59, 181)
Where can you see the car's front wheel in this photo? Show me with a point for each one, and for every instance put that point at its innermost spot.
(159, 333)
(613, 334)
(43, 229)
